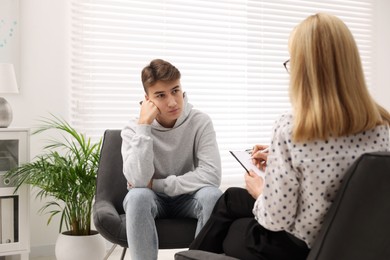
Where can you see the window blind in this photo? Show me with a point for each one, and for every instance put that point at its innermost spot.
(230, 54)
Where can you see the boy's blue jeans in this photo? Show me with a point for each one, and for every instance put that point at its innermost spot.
(142, 206)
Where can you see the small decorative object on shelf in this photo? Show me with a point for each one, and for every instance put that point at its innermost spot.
(7, 85)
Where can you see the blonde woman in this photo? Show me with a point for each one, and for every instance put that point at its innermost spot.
(334, 120)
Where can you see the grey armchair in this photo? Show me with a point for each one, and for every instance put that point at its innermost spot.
(108, 214)
(357, 224)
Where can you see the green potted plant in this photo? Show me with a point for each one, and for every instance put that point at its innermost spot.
(66, 174)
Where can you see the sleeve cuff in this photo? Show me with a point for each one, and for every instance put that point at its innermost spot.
(257, 208)
(158, 185)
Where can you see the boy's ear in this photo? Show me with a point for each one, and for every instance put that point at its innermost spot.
(146, 97)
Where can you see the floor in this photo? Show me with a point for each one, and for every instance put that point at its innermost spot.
(162, 254)
(116, 255)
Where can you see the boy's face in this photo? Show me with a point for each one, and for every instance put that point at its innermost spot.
(168, 98)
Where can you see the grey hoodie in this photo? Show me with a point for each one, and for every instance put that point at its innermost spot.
(181, 159)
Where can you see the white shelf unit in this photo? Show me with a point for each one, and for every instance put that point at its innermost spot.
(14, 207)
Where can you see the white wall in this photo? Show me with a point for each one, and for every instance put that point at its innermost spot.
(381, 91)
(44, 87)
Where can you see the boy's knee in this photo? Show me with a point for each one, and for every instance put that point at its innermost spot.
(207, 198)
(139, 198)
(208, 194)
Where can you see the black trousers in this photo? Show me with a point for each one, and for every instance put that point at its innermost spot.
(233, 230)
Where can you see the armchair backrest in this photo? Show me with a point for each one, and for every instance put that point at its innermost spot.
(111, 184)
(357, 225)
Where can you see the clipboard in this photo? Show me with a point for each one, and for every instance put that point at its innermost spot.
(244, 158)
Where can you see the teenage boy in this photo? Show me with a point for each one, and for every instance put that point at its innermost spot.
(170, 159)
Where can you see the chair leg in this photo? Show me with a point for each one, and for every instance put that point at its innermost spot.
(123, 253)
(110, 251)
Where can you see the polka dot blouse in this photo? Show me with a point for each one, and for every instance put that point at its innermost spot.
(302, 178)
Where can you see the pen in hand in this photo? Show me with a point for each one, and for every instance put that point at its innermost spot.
(259, 158)
(266, 150)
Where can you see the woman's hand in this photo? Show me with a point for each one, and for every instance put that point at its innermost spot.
(254, 184)
(260, 156)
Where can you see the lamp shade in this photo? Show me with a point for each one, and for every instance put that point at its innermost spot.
(8, 79)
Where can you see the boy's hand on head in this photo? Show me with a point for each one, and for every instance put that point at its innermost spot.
(148, 113)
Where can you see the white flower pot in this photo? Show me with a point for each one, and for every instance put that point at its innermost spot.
(80, 247)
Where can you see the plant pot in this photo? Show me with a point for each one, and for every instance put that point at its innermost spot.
(80, 247)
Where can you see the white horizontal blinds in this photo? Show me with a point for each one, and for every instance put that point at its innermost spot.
(207, 40)
(230, 54)
(269, 26)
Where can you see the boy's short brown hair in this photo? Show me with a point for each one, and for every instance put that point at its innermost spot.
(158, 70)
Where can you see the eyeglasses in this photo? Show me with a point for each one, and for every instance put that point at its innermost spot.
(286, 65)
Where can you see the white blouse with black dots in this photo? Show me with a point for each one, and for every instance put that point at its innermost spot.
(302, 179)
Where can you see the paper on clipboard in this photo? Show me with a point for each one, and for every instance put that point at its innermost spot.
(244, 158)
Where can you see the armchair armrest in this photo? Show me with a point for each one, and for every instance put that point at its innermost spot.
(111, 225)
(201, 255)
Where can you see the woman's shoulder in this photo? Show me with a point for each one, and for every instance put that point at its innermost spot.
(284, 121)
(282, 128)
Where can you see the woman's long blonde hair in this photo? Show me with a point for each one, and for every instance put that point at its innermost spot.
(327, 86)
